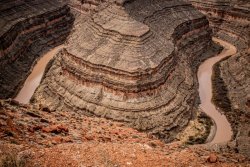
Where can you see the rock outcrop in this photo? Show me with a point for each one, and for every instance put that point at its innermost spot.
(133, 62)
(27, 30)
(86, 6)
(230, 21)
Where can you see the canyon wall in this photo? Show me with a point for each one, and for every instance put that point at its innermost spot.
(86, 6)
(27, 30)
(230, 21)
(134, 62)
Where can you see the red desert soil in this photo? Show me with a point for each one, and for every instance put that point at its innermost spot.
(46, 138)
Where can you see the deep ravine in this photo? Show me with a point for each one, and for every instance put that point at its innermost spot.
(223, 132)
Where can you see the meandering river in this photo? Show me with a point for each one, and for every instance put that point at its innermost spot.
(35, 77)
(223, 128)
(223, 131)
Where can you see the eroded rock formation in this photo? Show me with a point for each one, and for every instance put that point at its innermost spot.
(86, 6)
(230, 21)
(132, 63)
(28, 29)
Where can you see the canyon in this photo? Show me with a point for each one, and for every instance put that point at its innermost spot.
(231, 22)
(98, 78)
(123, 66)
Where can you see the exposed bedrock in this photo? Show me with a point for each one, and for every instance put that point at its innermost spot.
(230, 21)
(27, 30)
(133, 63)
(86, 5)
(231, 83)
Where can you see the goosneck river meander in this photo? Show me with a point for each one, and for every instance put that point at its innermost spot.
(223, 131)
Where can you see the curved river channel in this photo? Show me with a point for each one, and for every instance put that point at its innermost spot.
(223, 131)
(223, 128)
(35, 76)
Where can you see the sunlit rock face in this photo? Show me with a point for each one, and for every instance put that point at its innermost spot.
(28, 29)
(230, 21)
(134, 62)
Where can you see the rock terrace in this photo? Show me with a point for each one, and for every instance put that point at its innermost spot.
(142, 77)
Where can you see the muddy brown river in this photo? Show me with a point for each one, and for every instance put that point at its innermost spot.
(223, 131)
(35, 77)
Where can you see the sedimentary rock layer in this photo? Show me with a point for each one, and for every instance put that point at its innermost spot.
(28, 29)
(231, 83)
(230, 21)
(133, 62)
(86, 6)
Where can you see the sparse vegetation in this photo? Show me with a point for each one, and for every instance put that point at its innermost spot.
(11, 160)
(201, 138)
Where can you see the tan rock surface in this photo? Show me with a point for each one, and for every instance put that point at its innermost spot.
(143, 77)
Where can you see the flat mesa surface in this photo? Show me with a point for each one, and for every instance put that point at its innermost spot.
(115, 40)
(224, 131)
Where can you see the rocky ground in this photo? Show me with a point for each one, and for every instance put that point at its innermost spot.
(39, 137)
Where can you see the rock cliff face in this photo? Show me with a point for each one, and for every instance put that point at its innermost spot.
(132, 63)
(230, 21)
(28, 29)
(232, 94)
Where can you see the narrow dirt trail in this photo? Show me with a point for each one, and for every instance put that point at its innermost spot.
(33, 80)
(223, 131)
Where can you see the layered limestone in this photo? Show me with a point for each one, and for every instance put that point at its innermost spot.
(230, 21)
(27, 30)
(133, 62)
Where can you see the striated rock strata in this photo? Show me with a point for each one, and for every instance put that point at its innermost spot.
(86, 6)
(132, 63)
(28, 29)
(230, 21)
(231, 83)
